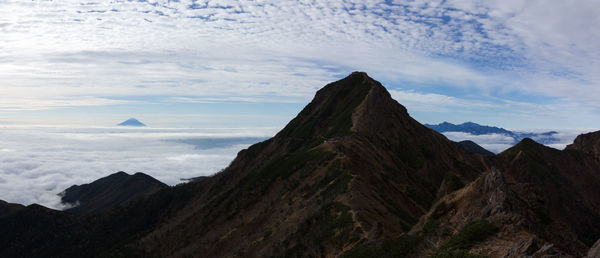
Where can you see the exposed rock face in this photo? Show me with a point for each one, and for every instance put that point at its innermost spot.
(594, 252)
(561, 190)
(543, 201)
(109, 192)
(588, 143)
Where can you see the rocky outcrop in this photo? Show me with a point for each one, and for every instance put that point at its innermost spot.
(526, 195)
(594, 251)
(490, 199)
(587, 143)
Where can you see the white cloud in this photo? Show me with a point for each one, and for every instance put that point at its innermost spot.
(499, 142)
(39, 162)
(255, 50)
(431, 102)
(12, 104)
(492, 142)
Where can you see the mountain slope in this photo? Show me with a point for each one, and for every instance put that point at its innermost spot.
(7, 209)
(353, 166)
(534, 201)
(110, 191)
(565, 181)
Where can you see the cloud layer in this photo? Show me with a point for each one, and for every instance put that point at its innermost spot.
(36, 163)
(499, 142)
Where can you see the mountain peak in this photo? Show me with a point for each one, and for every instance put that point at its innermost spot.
(336, 110)
(131, 122)
(472, 147)
(527, 144)
(527, 148)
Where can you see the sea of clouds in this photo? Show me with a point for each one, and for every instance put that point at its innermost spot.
(497, 143)
(38, 162)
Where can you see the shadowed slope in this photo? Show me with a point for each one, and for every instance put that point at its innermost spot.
(7, 209)
(542, 202)
(108, 192)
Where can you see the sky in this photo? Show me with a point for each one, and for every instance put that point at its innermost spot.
(191, 63)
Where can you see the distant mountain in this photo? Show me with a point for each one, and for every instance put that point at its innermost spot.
(468, 127)
(131, 122)
(352, 175)
(477, 129)
(109, 192)
(473, 147)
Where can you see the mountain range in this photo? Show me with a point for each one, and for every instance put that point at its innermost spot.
(477, 129)
(352, 175)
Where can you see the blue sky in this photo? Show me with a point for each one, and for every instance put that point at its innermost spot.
(516, 64)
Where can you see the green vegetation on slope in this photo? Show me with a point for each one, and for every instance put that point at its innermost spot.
(452, 182)
(332, 226)
(334, 181)
(433, 223)
(459, 244)
(456, 253)
(283, 167)
(404, 246)
(398, 247)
